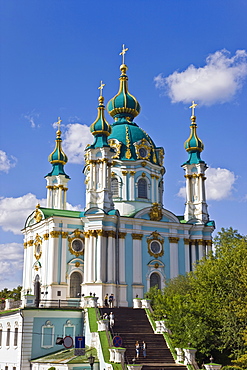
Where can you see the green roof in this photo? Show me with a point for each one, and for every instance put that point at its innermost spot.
(49, 212)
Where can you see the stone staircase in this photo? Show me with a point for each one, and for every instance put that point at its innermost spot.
(133, 325)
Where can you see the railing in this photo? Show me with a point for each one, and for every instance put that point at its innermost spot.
(59, 303)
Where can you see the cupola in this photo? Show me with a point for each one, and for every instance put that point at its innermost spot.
(123, 104)
(193, 145)
(100, 128)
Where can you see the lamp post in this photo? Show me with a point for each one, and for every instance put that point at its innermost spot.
(91, 359)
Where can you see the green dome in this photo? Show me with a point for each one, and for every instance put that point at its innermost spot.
(193, 145)
(58, 158)
(131, 139)
(123, 104)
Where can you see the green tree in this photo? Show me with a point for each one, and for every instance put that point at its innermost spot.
(206, 308)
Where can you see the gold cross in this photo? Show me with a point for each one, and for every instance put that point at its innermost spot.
(101, 88)
(123, 52)
(58, 123)
(193, 108)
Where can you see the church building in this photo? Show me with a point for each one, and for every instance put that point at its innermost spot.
(124, 242)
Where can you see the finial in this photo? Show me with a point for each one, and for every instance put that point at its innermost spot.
(58, 123)
(193, 108)
(101, 88)
(123, 53)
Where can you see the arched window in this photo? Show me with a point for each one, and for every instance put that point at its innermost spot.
(142, 188)
(75, 285)
(114, 187)
(161, 190)
(155, 280)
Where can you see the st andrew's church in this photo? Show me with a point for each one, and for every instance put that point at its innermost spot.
(124, 242)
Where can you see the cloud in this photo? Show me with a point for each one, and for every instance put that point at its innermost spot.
(219, 184)
(5, 162)
(11, 264)
(76, 138)
(32, 117)
(14, 211)
(217, 82)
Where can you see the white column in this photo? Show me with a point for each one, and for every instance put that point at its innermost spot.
(63, 258)
(99, 264)
(173, 257)
(137, 258)
(52, 269)
(124, 185)
(111, 259)
(122, 258)
(152, 188)
(131, 185)
(201, 249)
(193, 254)
(187, 255)
(86, 257)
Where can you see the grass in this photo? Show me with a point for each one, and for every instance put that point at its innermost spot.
(92, 319)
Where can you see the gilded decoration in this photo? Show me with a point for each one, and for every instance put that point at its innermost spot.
(37, 247)
(46, 236)
(76, 243)
(186, 241)
(124, 173)
(132, 173)
(161, 156)
(128, 151)
(121, 235)
(55, 234)
(64, 234)
(156, 265)
(115, 145)
(143, 174)
(30, 243)
(143, 149)
(155, 212)
(111, 233)
(155, 245)
(77, 264)
(38, 214)
(144, 164)
(173, 239)
(137, 236)
(25, 245)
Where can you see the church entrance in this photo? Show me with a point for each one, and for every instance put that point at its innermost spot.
(155, 280)
(75, 285)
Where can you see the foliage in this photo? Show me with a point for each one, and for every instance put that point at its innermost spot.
(207, 308)
(15, 293)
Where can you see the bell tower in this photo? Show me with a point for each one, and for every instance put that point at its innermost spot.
(57, 179)
(195, 167)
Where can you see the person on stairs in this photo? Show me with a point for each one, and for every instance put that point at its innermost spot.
(137, 349)
(111, 316)
(144, 349)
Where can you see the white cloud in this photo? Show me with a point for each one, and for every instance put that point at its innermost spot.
(6, 162)
(32, 117)
(219, 184)
(14, 211)
(76, 138)
(11, 264)
(217, 82)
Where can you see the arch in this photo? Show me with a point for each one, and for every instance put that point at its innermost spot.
(142, 188)
(75, 284)
(155, 280)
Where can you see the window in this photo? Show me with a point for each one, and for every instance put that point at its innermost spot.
(161, 190)
(155, 247)
(16, 337)
(114, 187)
(75, 284)
(69, 329)
(6, 367)
(77, 245)
(47, 340)
(1, 336)
(59, 293)
(8, 337)
(155, 280)
(142, 188)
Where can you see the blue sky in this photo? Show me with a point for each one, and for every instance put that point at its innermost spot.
(54, 55)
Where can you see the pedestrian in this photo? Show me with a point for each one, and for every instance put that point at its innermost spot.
(111, 300)
(106, 300)
(105, 316)
(111, 316)
(144, 349)
(137, 349)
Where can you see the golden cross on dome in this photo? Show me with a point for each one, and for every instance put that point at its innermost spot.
(193, 108)
(101, 88)
(123, 52)
(58, 123)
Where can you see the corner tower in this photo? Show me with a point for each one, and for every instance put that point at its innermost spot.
(98, 158)
(137, 172)
(195, 167)
(57, 179)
